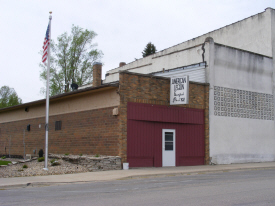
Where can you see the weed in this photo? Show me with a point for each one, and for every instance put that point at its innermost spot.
(80, 154)
(41, 159)
(66, 154)
(4, 157)
(55, 163)
(25, 166)
(97, 155)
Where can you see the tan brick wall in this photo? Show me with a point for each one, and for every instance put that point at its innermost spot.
(87, 132)
(156, 90)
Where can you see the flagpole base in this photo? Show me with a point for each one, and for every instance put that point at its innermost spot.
(45, 169)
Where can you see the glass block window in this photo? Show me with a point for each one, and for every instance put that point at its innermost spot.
(243, 104)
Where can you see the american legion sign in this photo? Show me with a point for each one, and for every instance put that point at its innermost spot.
(179, 90)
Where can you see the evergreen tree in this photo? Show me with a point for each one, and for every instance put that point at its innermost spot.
(149, 49)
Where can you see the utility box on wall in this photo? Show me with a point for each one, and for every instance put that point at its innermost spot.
(115, 111)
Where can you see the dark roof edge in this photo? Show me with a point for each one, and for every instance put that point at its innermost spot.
(112, 84)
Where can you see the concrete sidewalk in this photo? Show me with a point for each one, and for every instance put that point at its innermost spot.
(6, 183)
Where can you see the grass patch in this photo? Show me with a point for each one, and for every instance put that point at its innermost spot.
(4, 162)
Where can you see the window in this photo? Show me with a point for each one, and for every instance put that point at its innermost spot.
(169, 141)
(58, 125)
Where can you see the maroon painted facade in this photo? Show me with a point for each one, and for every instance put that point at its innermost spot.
(145, 123)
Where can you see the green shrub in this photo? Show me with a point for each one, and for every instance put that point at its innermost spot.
(4, 157)
(66, 154)
(97, 155)
(81, 154)
(41, 159)
(25, 166)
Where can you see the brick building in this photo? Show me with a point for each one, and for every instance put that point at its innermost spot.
(96, 120)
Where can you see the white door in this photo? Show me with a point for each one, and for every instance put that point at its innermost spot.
(168, 147)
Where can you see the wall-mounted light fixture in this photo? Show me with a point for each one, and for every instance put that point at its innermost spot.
(28, 127)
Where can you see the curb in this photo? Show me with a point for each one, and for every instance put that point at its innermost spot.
(37, 184)
(207, 171)
(194, 172)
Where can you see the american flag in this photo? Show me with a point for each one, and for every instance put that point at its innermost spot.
(45, 45)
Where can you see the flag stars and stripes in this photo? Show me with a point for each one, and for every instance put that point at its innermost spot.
(45, 45)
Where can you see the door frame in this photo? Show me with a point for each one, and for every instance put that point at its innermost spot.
(174, 147)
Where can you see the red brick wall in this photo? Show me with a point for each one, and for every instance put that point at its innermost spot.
(156, 90)
(87, 132)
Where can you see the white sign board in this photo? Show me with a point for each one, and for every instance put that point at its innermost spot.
(179, 90)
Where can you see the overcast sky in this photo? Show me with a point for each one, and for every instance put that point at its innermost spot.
(124, 27)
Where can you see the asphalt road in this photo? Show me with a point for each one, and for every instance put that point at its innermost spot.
(255, 187)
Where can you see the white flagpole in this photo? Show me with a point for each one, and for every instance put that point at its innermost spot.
(47, 99)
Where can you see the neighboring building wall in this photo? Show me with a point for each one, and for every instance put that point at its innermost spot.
(241, 106)
(253, 34)
(156, 90)
(273, 51)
